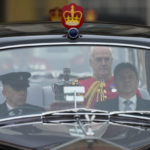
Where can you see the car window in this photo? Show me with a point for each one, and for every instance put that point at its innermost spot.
(93, 76)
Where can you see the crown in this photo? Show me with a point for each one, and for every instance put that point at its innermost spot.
(55, 14)
(72, 17)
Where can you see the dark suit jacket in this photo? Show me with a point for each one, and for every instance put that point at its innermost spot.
(26, 109)
(113, 105)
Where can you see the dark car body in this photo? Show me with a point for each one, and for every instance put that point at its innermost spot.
(34, 133)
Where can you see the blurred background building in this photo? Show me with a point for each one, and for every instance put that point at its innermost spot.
(118, 11)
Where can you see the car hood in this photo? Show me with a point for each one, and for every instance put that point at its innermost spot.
(106, 135)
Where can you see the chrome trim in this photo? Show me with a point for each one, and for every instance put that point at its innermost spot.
(19, 117)
(74, 43)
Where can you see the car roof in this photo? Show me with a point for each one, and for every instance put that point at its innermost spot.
(96, 28)
(48, 33)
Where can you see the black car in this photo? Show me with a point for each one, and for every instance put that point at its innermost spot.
(58, 65)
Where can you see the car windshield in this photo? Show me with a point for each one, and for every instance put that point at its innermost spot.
(48, 78)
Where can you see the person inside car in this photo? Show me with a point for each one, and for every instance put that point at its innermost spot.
(101, 63)
(15, 86)
(128, 99)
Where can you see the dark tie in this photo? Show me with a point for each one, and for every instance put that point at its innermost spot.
(127, 105)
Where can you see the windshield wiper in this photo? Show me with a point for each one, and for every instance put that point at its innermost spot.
(72, 115)
(132, 118)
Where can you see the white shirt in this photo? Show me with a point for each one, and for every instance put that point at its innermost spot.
(122, 104)
(13, 113)
(9, 107)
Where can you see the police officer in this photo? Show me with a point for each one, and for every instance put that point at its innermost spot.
(15, 86)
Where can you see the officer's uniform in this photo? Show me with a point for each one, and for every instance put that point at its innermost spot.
(17, 81)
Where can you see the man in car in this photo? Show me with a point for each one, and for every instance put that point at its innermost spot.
(15, 86)
(126, 81)
(102, 80)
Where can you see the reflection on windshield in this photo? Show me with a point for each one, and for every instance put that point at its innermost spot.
(40, 79)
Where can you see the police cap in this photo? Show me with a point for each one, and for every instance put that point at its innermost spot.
(17, 80)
